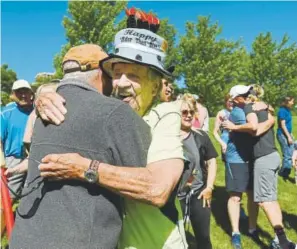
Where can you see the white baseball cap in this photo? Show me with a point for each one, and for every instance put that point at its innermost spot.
(21, 84)
(239, 90)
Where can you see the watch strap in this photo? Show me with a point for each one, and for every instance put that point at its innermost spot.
(94, 165)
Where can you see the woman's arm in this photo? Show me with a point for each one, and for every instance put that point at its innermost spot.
(216, 129)
(211, 172)
(265, 126)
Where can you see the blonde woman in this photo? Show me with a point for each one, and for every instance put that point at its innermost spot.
(196, 196)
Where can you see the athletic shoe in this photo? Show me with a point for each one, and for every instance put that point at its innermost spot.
(255, 236)
(274, 245)
(236, 241)
(292, 246)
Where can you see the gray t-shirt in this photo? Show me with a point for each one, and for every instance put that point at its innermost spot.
(198, 149)
(74, 214)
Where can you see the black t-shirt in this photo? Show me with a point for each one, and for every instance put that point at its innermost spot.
(264, 144)
(198, 148)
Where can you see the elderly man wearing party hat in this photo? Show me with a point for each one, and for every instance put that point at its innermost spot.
(152, 214)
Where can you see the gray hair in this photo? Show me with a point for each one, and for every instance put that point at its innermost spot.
(83, 76)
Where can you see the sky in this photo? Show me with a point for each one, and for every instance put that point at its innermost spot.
(32, 32)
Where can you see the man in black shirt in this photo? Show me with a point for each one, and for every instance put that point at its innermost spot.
(266, 164)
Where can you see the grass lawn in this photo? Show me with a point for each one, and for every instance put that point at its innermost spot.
(220, 226)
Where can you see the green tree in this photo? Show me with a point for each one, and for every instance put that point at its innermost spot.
(168, 32)
(274, 66)
(8, 76)
(5, 98)
(41, 80)
(209, 65)
(90, 22)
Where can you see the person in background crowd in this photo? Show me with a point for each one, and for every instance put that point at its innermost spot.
(196, 196)
(195, 121)
(13, 123)
(223, 115)
(202, 111)
(22, 167)
(294, 160)
(285, 136)
(266, 161)
(167, 91)
(223, 139)
(238, 170)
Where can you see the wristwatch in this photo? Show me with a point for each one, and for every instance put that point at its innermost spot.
(91, 175)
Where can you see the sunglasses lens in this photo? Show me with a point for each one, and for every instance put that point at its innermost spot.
(186, 112)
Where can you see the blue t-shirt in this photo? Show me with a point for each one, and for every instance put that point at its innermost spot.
(284, 113)
(239, 147)
(13, 124)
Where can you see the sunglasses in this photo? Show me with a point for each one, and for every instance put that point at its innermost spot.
(186, 112)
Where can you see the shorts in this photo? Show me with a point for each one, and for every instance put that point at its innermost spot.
(238, 177)
(15, 182)
(265, 177)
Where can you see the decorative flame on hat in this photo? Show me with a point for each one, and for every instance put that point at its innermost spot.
(141, 20)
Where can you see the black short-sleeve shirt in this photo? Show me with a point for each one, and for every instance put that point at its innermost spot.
(264, 144)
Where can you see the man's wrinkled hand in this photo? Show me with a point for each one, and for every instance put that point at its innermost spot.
(50, 107)
(206, 194)
(64, 166)
(228, 125)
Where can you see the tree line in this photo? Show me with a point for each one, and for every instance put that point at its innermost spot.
(208, 64)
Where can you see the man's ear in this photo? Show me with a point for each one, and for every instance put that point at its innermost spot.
(157, 89)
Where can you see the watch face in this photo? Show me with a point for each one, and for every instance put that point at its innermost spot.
(91, 176)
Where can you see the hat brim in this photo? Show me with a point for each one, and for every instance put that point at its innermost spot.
(25, 87)
(249, 88)
(106, 65)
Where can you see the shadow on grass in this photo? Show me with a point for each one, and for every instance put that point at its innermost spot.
(220, 213)
(290, 221)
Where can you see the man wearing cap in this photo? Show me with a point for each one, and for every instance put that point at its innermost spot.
(137, 70)
(167, 91)
(13, 122)
(72, 213)
(266, 161)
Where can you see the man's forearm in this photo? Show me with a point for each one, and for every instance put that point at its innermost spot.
(212, 171)
(128, 181)
(141, 184)
(248, 127)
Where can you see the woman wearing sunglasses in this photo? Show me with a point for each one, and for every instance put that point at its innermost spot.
(196, 196)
